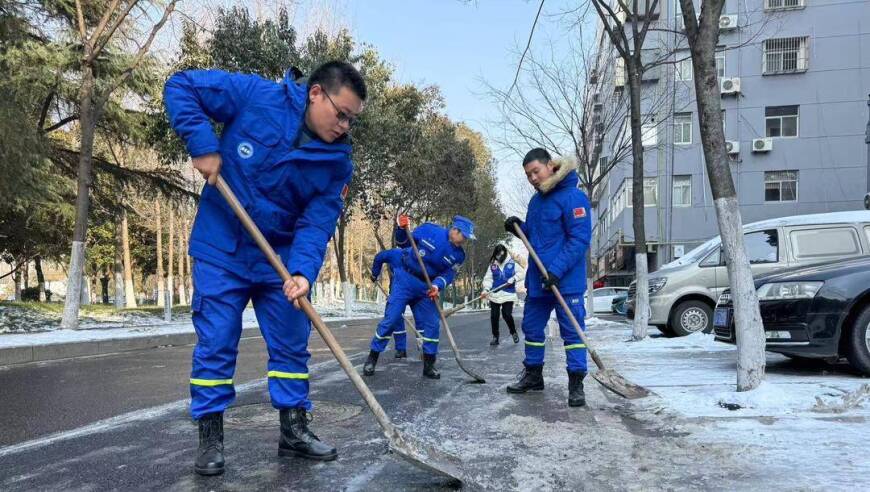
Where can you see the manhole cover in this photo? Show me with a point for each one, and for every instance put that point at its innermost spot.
(263, 415)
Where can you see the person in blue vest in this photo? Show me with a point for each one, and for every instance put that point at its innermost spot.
(285, 152)
(442, 253)
(559, 229)
(393, 258)
(503, 274)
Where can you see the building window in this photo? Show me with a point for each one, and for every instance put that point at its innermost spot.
(781, 121)
(785, 55)
(682, 194)
(683, 128)
(720, 62)
(650, 192)
(683, 66)
(648, 133)
(783, 4)
(780, 186)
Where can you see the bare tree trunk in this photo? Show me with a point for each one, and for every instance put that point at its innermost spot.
(40, 278)
(170, 280)
(161, 281)
(747, 318)
(129, 289)
(641, 299)
(25, 274)
(182, 296)
(88, 116)
(16, 278)
(120, 295)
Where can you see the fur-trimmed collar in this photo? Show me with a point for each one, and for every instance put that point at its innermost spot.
(564, 167)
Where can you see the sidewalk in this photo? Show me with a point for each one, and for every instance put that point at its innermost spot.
(63, 344)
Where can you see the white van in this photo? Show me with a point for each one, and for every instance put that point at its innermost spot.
(683, 293)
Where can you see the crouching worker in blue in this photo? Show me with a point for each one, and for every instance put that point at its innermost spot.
(441, 249)
(285, 153)
(559, 229)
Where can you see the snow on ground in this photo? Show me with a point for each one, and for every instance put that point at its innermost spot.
(24, 327)
(806, 424)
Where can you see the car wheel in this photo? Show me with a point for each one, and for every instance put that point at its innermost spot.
(858, 348)
(690, 317)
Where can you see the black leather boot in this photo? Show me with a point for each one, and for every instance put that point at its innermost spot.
(401, 354)
(297, 440)
(576, 397)
(210, 455)
(532, 379)
(494, 341)
(429, 370)
(371, 362)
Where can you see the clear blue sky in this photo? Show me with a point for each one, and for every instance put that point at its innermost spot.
(457, 45)
(450, 43)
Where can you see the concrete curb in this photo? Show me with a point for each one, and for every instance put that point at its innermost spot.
(40, 353)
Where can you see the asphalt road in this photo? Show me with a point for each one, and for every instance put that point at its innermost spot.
(121, 422)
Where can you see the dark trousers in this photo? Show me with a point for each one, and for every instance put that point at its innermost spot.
(506, 313)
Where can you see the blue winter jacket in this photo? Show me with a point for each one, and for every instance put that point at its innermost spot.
(291, 183)
(559, 228)
(441, 257)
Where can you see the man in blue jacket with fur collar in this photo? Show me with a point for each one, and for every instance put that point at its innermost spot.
(285, 151)
(559, 229)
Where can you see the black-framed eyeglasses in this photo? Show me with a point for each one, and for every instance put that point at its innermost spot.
(341, 115)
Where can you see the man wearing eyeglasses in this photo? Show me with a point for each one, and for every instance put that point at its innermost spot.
(285, 151)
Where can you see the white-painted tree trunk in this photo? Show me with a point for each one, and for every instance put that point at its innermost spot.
(590, 299)
(70, 318)
(348, 299)
(86, 291)
(641, 297)
(129, 288)
(747, 317)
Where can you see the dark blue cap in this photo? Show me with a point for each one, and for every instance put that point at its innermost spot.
(465, 226)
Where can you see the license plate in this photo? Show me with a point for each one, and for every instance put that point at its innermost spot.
(721, 317)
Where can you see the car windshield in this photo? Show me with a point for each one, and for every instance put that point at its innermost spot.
(695, 254)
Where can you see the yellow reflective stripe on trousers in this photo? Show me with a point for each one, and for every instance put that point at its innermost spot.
(287, 375)
(210, 382)
(535, 344)
(433, 340)
(575, 346)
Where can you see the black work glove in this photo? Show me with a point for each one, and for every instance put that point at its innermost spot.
(510, 222)
(550, 281)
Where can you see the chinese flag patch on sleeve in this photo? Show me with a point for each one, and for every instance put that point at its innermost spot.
(579, 213)
(345, 190)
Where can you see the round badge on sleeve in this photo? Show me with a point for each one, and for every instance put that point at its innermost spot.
(245, 150)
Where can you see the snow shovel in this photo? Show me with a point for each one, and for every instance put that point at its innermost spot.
(406, 447)
(410, 327)
(455, 309)
(608, 378)
(477, 378)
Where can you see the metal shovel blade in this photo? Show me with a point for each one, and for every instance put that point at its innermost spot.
(427, 457)
(613, 381)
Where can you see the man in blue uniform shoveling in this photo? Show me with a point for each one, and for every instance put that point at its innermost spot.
(441, 249)
(559, 229)
(285, 152)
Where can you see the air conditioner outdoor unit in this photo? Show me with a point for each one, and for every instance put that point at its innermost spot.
(730, 85)
(762, 145)
(732, 147)
(727, 22)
